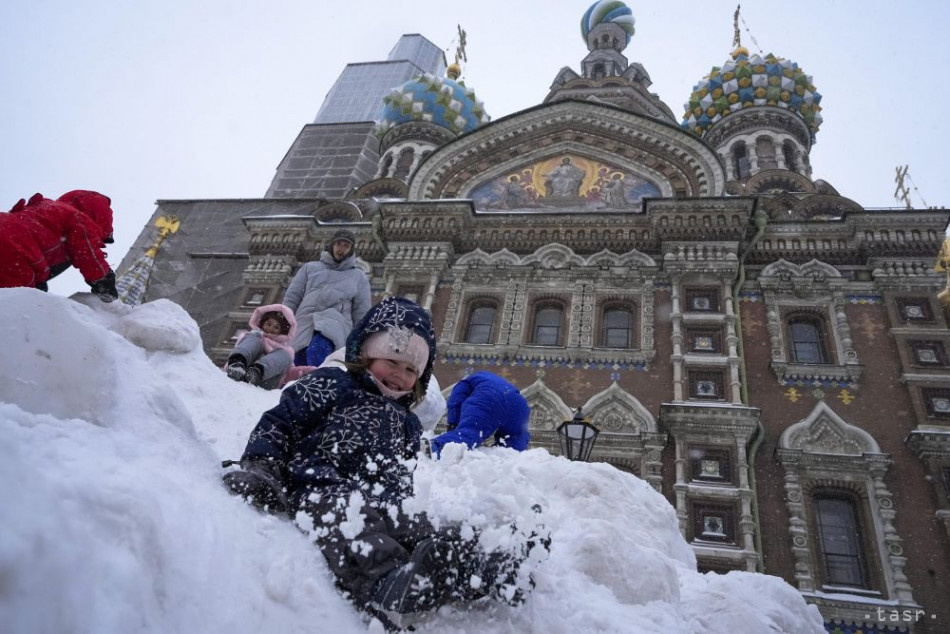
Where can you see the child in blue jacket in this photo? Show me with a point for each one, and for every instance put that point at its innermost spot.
(483, 405)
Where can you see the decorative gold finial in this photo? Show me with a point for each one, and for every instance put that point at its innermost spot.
(902, 193)
(736, 37)
(166, 226)
(460, 49)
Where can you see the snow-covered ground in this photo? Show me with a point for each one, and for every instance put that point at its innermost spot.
(113, 518)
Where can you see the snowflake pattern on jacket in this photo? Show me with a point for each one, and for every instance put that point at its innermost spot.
(335, 433)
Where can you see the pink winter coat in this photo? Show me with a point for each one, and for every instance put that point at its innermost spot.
(273, 342)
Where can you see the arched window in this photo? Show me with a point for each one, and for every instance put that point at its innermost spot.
(387, 164)
(765, 150)
(741, 158)
(807, 342)
(788, 150)
(839, 542)
(404, 163)
(547, 325)
(617, 327)
(481, 319)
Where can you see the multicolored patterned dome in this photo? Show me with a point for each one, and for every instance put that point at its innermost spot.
(438, 100)
(612, 11)
(747, 81)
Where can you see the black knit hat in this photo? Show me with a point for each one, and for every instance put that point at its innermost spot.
(345, 235)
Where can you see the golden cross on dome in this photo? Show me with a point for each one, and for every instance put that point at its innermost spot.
(736, 38)
(460, 49)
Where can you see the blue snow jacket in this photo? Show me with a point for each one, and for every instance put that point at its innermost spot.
(483, 405)
(333, 433)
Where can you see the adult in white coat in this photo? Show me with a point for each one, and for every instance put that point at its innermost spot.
(328, 297)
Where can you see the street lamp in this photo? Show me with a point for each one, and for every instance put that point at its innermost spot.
(577, 437)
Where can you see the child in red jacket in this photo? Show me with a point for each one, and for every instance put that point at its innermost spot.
(41, 238)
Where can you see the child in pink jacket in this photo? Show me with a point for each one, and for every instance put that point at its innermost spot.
(262, 355)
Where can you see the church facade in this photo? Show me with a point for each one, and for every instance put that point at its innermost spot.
(764, 351)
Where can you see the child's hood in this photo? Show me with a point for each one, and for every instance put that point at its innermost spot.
(260, 311)
(392, 313)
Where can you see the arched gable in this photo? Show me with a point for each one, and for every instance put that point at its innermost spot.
(673, 160)
(481, 257)
(548, 411)
(616, 410)
(824, 432)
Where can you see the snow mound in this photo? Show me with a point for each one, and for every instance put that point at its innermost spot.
(114, 519)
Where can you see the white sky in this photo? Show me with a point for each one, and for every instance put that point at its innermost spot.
(114, 423)
(180, 99)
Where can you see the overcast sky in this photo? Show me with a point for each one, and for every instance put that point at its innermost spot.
(180, 99)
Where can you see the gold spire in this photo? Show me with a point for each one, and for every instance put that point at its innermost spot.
(737, 47)
(736, 37)
(454, 71)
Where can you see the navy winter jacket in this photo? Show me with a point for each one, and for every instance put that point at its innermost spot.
(483, 405)
(333, 432)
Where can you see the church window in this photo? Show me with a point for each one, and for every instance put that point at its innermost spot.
(930, 353)
(839, 542)
(711, 465)
(703, 300)
(937, 402)
(806, 340)
(703, 341)
(765, 150)
(412, 292)
(404, 163)
(387, 164)
(547, 325)
(914, 310)
(481, 319)
(706, 385)
(741, 158)
(788, 150)
(255, 296)
(617, 331)
(714, 522)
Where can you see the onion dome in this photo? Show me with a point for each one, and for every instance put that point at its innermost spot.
(747, 81)
(438, 100)
(608, 11)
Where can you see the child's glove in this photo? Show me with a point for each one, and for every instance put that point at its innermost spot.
(104, 289)
(260, 483)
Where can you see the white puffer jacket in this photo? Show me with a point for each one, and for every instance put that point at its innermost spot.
(327, 297)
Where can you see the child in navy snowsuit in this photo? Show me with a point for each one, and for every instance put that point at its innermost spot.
(262, 355)
(483, 405)
(342, 441)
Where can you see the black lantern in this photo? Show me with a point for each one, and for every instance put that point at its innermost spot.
(577, 437)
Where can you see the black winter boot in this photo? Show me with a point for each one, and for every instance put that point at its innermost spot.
(417, 586)
(237, 367)
(255, 375)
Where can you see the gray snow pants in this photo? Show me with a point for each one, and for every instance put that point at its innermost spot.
(274, 363)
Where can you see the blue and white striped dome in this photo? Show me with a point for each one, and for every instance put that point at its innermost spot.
(604, 11)
(438, 100)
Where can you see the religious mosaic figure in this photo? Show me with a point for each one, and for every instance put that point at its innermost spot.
(614, 194)
(514, 195)
(564, 181)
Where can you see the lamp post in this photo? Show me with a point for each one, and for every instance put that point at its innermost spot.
(577, 437)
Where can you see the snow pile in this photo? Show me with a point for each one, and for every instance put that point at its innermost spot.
(114, 423)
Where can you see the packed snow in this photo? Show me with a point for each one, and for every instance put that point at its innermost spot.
(114, 519)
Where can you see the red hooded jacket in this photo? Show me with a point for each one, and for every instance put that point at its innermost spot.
(43, 237)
